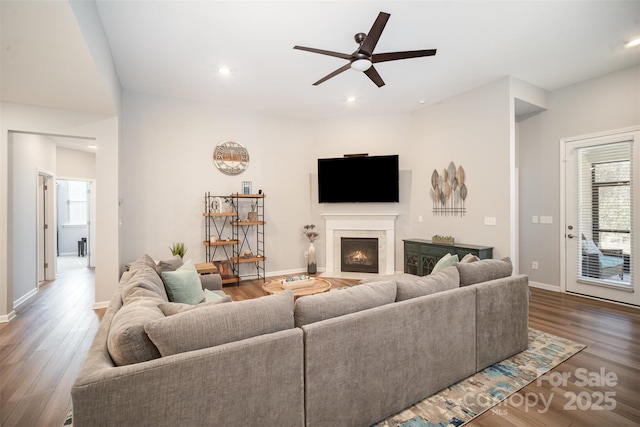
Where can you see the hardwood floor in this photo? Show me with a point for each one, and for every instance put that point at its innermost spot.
(42, 349)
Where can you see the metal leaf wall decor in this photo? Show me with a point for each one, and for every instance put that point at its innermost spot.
(449, 191)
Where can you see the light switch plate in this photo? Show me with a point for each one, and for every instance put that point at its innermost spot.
(490, 220)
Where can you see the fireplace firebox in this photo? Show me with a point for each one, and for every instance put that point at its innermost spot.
(359, 254)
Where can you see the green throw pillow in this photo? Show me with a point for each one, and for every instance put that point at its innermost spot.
(444, 262)
(211, 296)
(183, 285)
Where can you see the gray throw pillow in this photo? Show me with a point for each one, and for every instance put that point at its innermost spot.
(221, 323)
(127, 341)
(443, 280)
(314, 308)
(146, 279)
(144, 260)
(484, 270)
(469, 258)
(171, 264)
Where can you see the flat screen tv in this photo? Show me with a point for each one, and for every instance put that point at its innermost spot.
(366, 179)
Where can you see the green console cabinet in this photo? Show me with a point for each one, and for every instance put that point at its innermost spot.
(420, 256)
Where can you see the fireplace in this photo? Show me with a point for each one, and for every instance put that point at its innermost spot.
(379, 226)
(359, 255)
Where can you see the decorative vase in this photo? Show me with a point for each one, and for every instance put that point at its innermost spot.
(311, 259)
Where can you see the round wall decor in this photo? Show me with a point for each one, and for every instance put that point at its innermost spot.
(231, 157)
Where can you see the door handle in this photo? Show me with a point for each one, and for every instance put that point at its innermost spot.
(571, 236)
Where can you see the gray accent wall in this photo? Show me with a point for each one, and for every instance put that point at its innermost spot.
(601, 104)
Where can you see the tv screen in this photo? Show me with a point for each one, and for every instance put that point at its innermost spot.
(358, 179)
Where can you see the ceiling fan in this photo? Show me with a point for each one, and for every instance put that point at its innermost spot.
(364, 58)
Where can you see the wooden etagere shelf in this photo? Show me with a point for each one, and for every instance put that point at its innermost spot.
(234, 235)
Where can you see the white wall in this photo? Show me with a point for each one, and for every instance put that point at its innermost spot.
(605, 103)
(167, 166)
(29, 155)
(75, 164)
(472, 130)
(17, 117)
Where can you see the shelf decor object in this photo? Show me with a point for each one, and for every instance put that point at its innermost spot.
(447, 240)
(449, 191)
(312, 235)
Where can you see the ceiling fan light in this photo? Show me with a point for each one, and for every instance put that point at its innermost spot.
(361, 64)
(633, 43)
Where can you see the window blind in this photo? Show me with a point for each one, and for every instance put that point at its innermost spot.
(605, 213)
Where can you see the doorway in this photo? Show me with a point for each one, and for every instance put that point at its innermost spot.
(600, 215)
(73, 225)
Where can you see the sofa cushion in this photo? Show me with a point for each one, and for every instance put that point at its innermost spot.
(127, 341)
(443, 280)
(183, 285)
(221, 323)
(314, 308)
(171, 308)
(484, 270)
(390, 277)
(446, 261)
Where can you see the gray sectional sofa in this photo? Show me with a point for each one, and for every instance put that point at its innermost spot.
(349, 357)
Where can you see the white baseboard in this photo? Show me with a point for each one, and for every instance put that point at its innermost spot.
(17, 303)
(544, 286)
(100, 305)
(5, 318)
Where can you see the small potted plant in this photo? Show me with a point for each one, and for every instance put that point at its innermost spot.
(178, 249)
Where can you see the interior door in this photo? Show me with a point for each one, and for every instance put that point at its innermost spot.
(601, 206)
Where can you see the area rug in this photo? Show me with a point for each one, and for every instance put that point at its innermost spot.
(465, 400)
(491, 388)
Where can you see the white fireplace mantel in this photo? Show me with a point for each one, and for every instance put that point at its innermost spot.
(361, 225)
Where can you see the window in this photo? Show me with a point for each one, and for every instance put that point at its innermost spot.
(611, 200)
(77, 202)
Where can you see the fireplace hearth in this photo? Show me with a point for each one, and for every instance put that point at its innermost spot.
(359, 254)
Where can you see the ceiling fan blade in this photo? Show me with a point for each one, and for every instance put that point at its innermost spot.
(335, 73)
(324, 52)
(393, 56)
(374, 76)
(373, 36)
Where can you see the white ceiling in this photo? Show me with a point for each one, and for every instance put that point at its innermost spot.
(174, 48)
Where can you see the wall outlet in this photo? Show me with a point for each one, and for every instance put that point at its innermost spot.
(534, 265)
(419, 218)
(490, 220)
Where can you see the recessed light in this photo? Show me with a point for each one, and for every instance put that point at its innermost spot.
(351, 99)
(224, 70)
(633, 43)
(421, 101)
